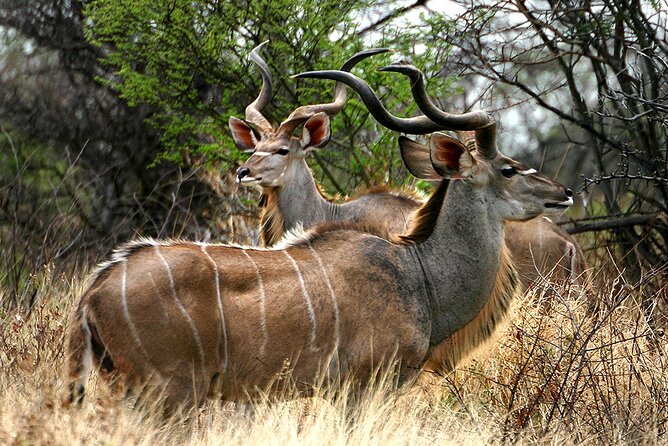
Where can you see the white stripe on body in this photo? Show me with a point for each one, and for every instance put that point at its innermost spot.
(332, 295)
(88, 354)
(126, 313)
(263, 309)
(220, 304)
(539, 249)
(307, 298)
(180, 306)
(570, 254)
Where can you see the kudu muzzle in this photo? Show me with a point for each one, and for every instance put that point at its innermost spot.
(242, 172)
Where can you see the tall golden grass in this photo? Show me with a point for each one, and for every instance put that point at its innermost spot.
(567, 368)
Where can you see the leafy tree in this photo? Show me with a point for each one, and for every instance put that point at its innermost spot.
(50, 96)
(597, 71)
(189, 61)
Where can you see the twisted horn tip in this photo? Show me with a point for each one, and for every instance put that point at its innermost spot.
(307, 74)
(401, 68)
(259, 47)
(373, 51)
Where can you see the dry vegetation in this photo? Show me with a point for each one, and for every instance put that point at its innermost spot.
(566, 369)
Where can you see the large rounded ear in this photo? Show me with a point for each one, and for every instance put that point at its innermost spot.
(450, 158)
(245, 137)
(316, 132)
(417, 159)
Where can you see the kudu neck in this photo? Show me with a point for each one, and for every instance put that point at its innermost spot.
(467, 215)
(299, 199)
(461, 258)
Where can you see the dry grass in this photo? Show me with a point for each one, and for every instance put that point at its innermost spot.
(560, 372)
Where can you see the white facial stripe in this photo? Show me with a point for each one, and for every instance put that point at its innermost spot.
(527, 172)
(180, 306)
(246, 180)
(258, 153)
(307, 298)
(216, 275)
(331, 293)
(263, 309)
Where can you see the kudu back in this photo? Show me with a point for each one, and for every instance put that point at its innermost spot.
(336, 302)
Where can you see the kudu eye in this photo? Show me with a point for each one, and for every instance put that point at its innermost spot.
(283, 151)
(508, 172)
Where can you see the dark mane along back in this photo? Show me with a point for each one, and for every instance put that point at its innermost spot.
(422, 225)
(424, 219)
(125, 250)
(405, 195)
(322, 230)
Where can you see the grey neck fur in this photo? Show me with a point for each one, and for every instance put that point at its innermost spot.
(463, 249)
(299, 200)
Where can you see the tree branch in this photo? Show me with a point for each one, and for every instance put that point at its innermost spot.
(577, 226)
(391, 16)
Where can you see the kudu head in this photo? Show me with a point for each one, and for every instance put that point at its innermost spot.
(519, 192)
(275, 150)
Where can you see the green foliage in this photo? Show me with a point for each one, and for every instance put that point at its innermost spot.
(189, 60)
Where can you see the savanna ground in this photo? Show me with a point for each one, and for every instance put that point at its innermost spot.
(567, 368)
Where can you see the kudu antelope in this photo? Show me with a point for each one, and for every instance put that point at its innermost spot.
(336, 301)
(544, 253)
(290, 195)
(423, 162)
(541, 250)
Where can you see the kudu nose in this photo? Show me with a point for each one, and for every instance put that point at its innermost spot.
(242, 172)
(569, 193)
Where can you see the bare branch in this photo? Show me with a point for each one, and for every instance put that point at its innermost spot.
(589, 225)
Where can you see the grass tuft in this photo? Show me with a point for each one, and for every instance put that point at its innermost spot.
(567, 368)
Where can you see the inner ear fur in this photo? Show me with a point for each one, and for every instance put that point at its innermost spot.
(417, 159)
(316, 132)
(449, 157)
(245, 137)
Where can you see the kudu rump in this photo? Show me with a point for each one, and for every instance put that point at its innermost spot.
(335, 302)
(292, 198)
